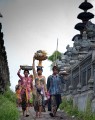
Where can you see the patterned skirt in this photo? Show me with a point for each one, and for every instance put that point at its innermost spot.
(37, 101)
(55, 102)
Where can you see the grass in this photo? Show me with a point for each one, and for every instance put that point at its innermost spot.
(67, 106)
(8, 109)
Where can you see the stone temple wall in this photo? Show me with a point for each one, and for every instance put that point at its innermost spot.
(4, 69)
(77, 64)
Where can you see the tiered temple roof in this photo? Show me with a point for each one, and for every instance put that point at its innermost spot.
(84, 16)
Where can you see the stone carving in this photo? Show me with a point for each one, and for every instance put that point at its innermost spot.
(68, 48)
(76, 41)
(85, 43)
(90, 29)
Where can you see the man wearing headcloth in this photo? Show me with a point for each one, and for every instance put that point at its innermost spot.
(40, 88)
(54, 87)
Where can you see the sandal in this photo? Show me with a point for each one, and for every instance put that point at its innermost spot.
(51, 114)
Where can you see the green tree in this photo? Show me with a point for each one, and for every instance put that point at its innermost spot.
(55, 55)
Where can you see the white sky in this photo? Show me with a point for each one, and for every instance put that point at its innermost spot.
(31, 25)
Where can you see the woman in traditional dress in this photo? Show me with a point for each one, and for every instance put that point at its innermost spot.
(39, 88)
(18, 93)
(27, 86)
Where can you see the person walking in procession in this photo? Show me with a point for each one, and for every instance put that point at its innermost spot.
(40, 89)
(26, 88)
(18, 93)
(54, 87)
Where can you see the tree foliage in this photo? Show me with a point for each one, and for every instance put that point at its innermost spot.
(55, 55)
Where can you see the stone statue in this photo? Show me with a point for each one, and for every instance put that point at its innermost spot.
(90, 29)
(68, 48)
(76, 43)
(85, 43)
(84, 35)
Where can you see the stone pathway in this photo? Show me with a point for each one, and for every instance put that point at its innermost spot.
(45, 116)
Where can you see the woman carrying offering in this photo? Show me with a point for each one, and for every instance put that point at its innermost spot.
(27, 86)
(39, 88)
